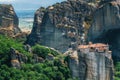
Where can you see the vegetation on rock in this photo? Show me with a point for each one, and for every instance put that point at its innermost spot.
(56, 69)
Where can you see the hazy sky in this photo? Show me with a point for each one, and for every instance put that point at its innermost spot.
(29, 4)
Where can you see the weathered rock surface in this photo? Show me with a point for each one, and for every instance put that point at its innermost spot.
(37, 59)
(74, 64)
(106, 26)
(50, 57)
(28, 48)
(17, 58)
(57, 25)
(8, 20)
(106, 17)
(92, 62)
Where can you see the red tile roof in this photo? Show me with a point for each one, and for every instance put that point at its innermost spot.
(97, 45)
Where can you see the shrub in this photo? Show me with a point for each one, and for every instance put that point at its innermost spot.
(41, 51)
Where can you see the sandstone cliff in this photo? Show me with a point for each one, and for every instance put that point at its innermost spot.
(58, 25)
(8, 20)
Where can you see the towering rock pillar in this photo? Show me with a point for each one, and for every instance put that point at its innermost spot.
(99, 65)
(94, 62)
(8, 20)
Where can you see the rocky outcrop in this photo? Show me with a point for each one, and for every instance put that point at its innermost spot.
(28, 48)
(37, 59)
(58, 25)
(106, 27)
(50, 57)
(17, 58)
(8, 20)
(92, 62)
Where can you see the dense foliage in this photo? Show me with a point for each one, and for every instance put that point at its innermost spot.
(55, 69)
(39, 71)
(43, 52)
(117, 71)
(5, 45)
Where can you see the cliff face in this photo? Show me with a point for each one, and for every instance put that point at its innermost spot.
(60, 25)
(106, 27)
(106, 18)
(57, 25)
(8, 20)
(92, 62)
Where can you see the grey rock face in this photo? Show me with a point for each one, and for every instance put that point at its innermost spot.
(74, 64)
(92, 63)
(56, 25)
(106, 26)
(8, 20)
(94, 66)
(106, 18)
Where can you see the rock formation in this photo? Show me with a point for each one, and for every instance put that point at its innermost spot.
(37, 59)
(62, 26)
(106, 18)
(106, 27)
(58, 25)
(17, 58)
(92, 62)
(8, 20)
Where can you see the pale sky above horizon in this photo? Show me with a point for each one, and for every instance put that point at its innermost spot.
(29, 4)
